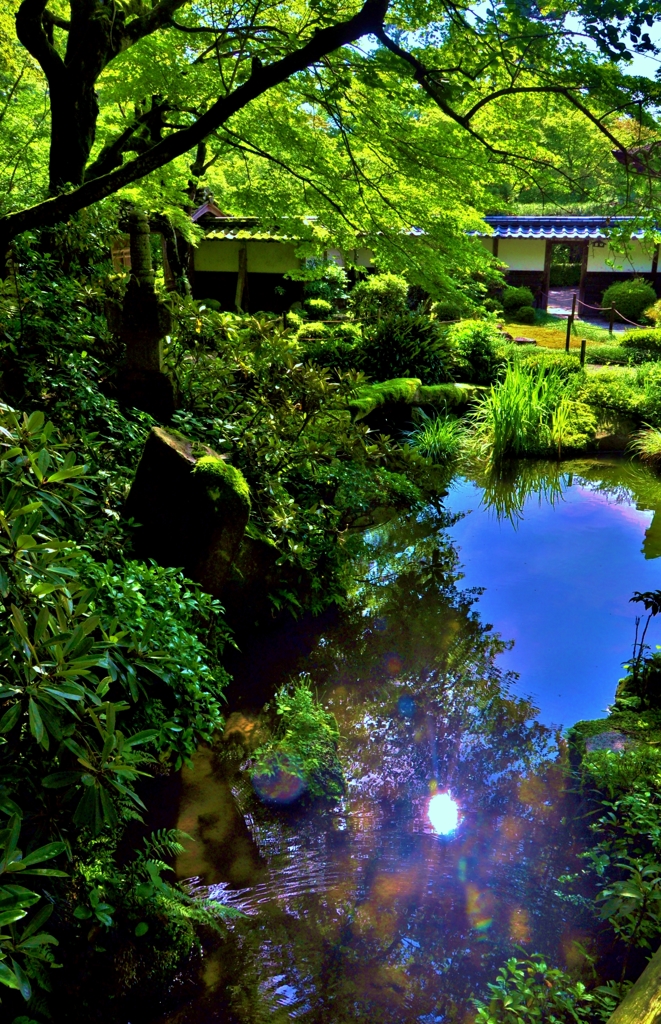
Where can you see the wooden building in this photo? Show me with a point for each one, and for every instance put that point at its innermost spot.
(527, 245)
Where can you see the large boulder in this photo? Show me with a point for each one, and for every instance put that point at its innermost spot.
(192, 508)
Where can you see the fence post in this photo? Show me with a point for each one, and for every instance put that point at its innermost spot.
(583, 344)
(570, 321)
(612, 318)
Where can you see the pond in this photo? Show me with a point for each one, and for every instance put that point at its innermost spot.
(378, 909)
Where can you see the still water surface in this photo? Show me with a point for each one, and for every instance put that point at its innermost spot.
(363, 911)
(558, 573)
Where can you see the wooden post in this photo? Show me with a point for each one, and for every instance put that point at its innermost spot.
(583, 344)
(241, 278)
(642, 1003)
(570, 322)
(612, 318)
(546, 277)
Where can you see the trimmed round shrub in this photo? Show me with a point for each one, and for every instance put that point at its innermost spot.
(452, 308)
(407, 345)
(648, 339)
(630, 298)
(526, 315)
(492, 306)
(515, 298)
(379, 297)
(318, 309)
(475, 344)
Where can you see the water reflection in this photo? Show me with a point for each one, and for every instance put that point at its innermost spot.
(361, 912)
(443, 812)
(558, 550)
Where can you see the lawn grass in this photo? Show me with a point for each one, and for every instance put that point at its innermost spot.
(553, 333)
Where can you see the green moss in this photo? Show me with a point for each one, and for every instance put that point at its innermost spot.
(641, 725)
(224, 484)
(410, 391)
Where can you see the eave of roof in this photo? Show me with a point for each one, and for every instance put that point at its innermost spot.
(558, 227)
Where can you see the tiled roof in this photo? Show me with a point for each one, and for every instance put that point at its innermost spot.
(511, 226)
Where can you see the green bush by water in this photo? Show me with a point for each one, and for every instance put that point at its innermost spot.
(646, 444)
(530, 413)
(630, 298)
(439, 438)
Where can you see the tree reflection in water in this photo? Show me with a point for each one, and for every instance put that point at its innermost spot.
(361, 912)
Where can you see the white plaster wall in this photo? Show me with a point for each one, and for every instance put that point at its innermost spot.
(487, 243)
(522, 253)
(222, 254)
(637, 259)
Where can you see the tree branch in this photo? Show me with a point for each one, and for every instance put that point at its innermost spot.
(30, 32)
(158, 17)
(422, 76)
(368, 20)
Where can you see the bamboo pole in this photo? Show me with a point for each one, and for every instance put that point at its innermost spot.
(642, 1003)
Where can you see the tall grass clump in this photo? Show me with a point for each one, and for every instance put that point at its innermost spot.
(439, 438)
(646, 444)
(530, 412)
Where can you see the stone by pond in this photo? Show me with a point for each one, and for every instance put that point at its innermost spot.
(375, 909)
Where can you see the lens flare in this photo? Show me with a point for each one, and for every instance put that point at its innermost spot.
(443, 814)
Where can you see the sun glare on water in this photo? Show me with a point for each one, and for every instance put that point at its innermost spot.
(443, 813)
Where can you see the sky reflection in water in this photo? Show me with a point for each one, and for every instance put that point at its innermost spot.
(558, 577)
(363, 911)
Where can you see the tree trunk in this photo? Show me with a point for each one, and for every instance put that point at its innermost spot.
(74, 112)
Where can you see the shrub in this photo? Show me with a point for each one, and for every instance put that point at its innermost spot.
(647, 339)
(492, 306)
(646, 444)
(453, 308)
(406, 345)
(630, 298)
(653, 312)
(304, 742)
(525, 315)
(515, 298)
(318, 309)
(614, 355)
(439, 438)
(531, 991)
(381, 296)
(530, 413)
(475, 344)
(565, 364)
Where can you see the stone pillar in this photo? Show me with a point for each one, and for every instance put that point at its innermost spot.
(141, 324)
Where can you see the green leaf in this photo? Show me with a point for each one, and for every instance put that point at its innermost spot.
(65, 474)
(37, 921)
(10, 718)
(35, 422)
(23, 983)
(141, 929)
(9, 916)
(82, 913)
(59, 779)
(36, 724)
(8, 977)
(43, 853)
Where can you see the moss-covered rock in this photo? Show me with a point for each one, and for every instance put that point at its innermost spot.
(390, 403)
(191, 505)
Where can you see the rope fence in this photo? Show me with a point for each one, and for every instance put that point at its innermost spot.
(611, 310)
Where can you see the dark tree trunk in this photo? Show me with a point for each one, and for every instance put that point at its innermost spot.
(74, 112)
